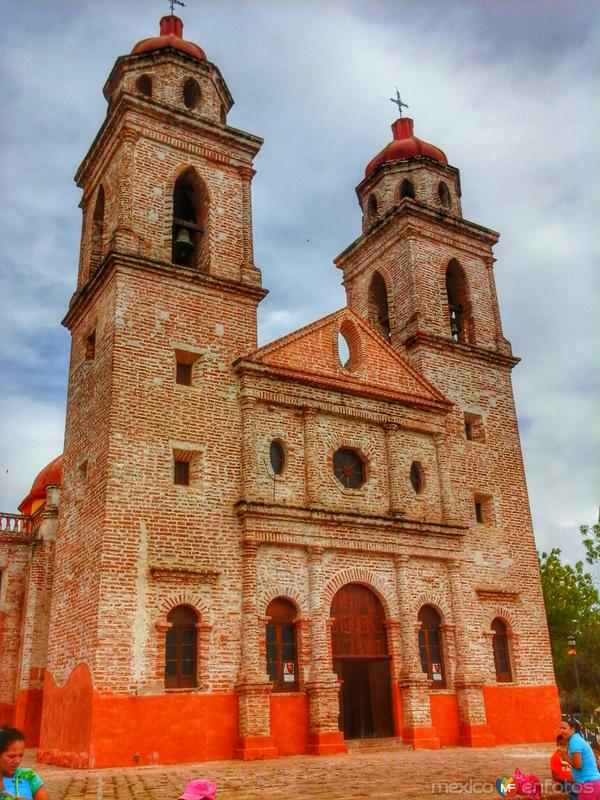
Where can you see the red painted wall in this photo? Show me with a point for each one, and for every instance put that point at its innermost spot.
(7, 711)
(444, 718)
(522, 713)
(129, 730)
(289, 723)
(28, 715)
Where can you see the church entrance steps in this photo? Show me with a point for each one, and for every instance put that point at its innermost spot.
(376, 745)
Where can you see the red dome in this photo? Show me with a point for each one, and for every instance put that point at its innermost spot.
(49, 476)
(404, 146)
(171, 30)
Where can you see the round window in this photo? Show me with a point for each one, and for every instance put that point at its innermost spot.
(349, 468)
(277, 457)
(444, 195)
(191, 93)
(416, 477)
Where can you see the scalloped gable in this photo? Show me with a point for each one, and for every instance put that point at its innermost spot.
(374, 364)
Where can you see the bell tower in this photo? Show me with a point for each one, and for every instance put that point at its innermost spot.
(166, 300)
(423, 276)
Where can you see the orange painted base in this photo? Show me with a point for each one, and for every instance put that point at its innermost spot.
(28, 715)
(254, 748)
(421, 738)
(289, 723)
(326, 744)
(82, 728)
(519, 714)
(476, 736)
(7, 714)
(444, 718)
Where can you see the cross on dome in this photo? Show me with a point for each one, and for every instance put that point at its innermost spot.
(172, 3)
(398, 102)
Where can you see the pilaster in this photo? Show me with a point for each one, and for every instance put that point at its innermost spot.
(474, 729)
(322, 689)
(417, 728)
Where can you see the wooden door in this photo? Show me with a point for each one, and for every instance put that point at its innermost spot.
(362, 663)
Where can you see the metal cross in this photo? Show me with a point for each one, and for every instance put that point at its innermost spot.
(398, 102)
(172, 3)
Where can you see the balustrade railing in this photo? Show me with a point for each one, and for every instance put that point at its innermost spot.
(15, 525)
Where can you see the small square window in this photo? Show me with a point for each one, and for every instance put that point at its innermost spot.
(182, 473)
(484, 509)
(474, 430)
(183, 374)
(90, 346)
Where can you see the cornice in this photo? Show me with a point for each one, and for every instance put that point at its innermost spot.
(369, 532)
(136, 114)
(327, 382)
(459, 350)
(124, 262)
(415, 215)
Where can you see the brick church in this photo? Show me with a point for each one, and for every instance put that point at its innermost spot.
(257, 552)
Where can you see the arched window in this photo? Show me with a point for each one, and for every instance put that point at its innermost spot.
(282, 656)
(444, 195)
(372, 206)
(430, 645)
(459, 304)
(501, 651)
(379, 313)
(97, 231)
(181, 648)
(190, 214)
(407, 189)
(144, 85)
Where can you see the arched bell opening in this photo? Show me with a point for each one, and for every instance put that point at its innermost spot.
(460, 310)
(362, 662)
(190, 217)
(378, 305)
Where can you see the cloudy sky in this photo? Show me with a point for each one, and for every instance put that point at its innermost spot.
(504, 88)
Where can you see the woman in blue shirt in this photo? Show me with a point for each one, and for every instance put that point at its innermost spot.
(16, 781)
(582, 760)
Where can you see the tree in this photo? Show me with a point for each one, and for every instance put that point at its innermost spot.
(591, 541)
(572, 608)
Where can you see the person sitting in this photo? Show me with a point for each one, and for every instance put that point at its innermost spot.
(582, 760)
(17, 781)
(561, 769)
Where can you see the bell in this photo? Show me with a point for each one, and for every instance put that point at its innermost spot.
(183, 244)
(454, 326)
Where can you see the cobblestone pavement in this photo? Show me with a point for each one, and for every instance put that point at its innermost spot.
(389, 774)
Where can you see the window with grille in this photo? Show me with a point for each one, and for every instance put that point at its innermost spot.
(181, 649)
(183, 374)
(277, 457)
(281, 646)
(430, 645)
(349, 468)
(501, 651)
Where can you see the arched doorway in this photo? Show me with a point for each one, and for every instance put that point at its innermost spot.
(362, 663)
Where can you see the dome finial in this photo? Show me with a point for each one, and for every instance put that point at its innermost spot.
(173, 3)
(397, 100)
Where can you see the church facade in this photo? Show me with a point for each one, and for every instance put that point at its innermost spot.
(257, 552)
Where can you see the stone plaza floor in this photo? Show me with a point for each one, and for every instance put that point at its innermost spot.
(389, 774)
